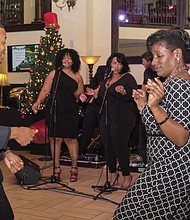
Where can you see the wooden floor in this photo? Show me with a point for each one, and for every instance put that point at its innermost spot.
(54, 201)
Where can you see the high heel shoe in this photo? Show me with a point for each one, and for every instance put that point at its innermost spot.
(58, 172)
(126, 184)
(74, 174)
(115, 181)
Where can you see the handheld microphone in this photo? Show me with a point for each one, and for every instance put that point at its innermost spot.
(110, 73)
(90, 99)
(59, 68)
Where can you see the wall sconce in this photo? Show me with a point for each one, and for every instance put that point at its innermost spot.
(62, 3)
(90, 61)
(3, 82)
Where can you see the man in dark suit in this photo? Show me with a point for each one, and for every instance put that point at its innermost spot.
(91, 116)
(22, 135)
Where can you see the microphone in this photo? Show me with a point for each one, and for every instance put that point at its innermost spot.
(90, 99)
(59, 68)
(110, 74)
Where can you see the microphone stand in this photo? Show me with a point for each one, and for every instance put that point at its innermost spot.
(46, 158)
(53, 178)
(106, 187)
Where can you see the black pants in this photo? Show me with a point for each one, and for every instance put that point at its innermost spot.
(115, 138)
(6, 212)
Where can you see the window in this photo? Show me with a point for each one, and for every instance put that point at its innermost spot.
(23, 15)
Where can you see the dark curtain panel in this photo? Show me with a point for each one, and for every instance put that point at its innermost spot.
(115, 26)
(180, 13)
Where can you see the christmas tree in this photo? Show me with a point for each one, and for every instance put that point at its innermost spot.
(50, 44)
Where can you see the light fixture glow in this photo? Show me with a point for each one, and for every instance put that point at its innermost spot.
(126, 20)
(90, 61)
(3, 82)
(121, 17)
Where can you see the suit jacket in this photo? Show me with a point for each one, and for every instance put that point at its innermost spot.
(4, 138)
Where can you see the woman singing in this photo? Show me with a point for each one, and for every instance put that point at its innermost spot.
(67, 85)
(119, 112)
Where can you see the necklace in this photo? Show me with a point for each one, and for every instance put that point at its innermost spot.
(171, 76)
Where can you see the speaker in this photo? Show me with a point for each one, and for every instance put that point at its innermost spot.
(30, 174)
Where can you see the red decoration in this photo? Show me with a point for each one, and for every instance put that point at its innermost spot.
(50, 20)
(31, 99)
(36, 60)
(41, 137)
(52, 48)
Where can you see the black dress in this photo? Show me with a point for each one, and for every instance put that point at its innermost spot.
(163, 190)
(121, 118)
(67, 112)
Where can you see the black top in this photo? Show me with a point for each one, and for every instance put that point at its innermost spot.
(117, 103)
(67, 112)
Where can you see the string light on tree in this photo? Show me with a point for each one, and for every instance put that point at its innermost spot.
(50, 44)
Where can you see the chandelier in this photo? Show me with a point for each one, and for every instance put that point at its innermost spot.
(62, 3)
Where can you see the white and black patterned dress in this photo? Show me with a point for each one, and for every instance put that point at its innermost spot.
(162, 192)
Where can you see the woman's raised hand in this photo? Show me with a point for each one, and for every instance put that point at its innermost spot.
(82, 97)
(36, 107)
(89, 91)
(155, 88)
(140, 98)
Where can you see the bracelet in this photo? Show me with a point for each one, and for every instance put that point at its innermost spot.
(141, 109)
(165, 120)
(124, 92)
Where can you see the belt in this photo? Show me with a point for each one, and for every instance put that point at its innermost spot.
(155, 135)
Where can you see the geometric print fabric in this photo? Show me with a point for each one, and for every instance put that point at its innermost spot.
(162, 192)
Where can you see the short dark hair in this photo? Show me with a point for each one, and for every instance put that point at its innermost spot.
(171, 39)
(148, 56)
(71, 53)
(121, 58)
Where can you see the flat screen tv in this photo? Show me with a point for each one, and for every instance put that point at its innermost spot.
(21, 57)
